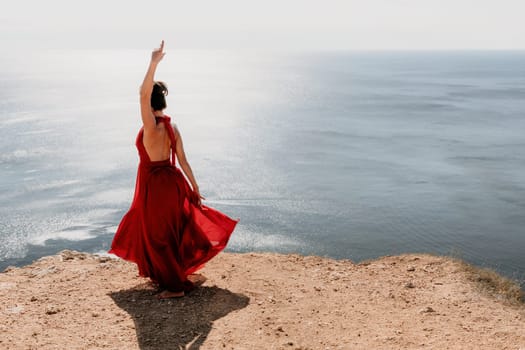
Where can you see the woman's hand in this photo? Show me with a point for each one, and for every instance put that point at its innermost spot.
(198, 197)
(158, 54)
(148, 120)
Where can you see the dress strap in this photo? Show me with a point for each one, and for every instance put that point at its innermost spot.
(167, 124)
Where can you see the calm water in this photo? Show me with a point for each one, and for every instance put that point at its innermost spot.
(348, 155)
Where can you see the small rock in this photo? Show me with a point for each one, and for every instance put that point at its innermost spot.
(103, 259)
(410, 285)
(411, 268)
(280, 329)
(15, 309)
(39, 272)
(71, 255)
(33, 298)
(7, 285)
(428, 309)
(67, 255)
(51, 310)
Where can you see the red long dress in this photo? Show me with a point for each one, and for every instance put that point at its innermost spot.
(164, 232)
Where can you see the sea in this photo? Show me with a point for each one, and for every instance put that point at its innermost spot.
(344, 154)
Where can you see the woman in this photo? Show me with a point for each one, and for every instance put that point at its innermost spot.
(167, 231)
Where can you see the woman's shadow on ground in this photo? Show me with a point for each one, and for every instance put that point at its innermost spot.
(176, 323)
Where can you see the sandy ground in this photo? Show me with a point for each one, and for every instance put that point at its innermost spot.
(256, 301)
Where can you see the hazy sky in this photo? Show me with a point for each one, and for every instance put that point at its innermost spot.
(297, 24)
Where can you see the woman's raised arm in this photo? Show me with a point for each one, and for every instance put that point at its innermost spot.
(148, 119)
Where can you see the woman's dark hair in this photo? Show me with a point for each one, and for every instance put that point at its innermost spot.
(158, 96)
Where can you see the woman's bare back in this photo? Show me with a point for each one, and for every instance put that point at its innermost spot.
(157, 143)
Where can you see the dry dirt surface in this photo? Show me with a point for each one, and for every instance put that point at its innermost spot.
(257, 301)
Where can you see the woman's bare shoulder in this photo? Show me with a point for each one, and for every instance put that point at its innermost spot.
(175, 129)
